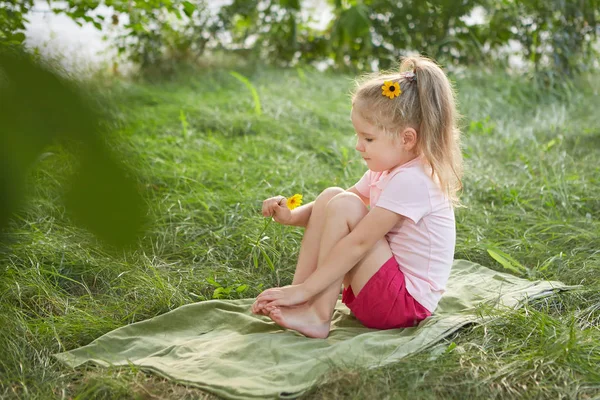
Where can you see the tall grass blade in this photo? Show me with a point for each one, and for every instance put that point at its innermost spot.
(250, 86)
(506, 261)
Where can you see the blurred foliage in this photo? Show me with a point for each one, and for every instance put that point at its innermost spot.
(154, 33)
(159, 35)
(556, 33)
(12, 21)
(38, 108)
(272, 30)
(381, 31)
(557, 36)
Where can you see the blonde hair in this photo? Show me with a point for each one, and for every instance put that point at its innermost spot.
(427, 105)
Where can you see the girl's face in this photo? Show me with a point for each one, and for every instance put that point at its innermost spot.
(382, 152)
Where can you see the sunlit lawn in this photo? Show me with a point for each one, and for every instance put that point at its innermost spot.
(206, 161)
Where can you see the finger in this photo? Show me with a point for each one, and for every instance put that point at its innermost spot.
(269, 295)
(271, 209)
(272, 305)
(277, 204)
(260, 307)
(264, 296)
(267, 207)
(281, 201)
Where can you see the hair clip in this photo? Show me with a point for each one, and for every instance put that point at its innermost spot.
(391, 89)
(410, 76)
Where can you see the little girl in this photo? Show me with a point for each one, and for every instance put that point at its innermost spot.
(389, 239)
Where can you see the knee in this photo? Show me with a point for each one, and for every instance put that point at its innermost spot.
(329, 193)
(348, 203)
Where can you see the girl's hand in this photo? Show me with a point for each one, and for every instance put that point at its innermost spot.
(258, 308)
(276, 207)
(284, 296)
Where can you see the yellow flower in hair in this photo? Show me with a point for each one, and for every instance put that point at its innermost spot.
(391, 89)
(294, 201)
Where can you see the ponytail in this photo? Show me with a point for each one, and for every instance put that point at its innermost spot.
(438, 134)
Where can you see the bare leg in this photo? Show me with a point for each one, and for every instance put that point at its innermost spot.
(309, 249)
(313, 318)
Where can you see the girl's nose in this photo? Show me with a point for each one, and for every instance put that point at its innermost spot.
(359, 146)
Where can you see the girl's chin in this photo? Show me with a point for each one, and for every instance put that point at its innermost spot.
(373, 167)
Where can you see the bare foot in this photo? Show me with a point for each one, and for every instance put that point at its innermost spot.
(302, 319)
(259, 308)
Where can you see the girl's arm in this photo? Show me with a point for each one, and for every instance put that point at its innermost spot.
(351, 249)
(301, 215)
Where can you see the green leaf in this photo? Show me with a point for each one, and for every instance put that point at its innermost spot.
(18, 37)
(103, 197)
(506, 260)
(290, 4)
(188, 8)
(40, 108)
(212, 282)
(450, 347)
(268, 259)
(355, 22)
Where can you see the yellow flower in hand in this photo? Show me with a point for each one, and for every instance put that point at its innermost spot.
(391, 89)
(294, 201)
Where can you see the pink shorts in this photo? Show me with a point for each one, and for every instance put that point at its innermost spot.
(384, 302)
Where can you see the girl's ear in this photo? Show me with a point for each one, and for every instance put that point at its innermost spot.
(409, 138)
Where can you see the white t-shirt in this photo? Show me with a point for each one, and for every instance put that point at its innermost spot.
(423, 242)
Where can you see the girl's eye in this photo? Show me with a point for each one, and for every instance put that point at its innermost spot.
(369, 140)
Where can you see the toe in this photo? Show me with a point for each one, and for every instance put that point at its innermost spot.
(275, 315)
(257, 308)
(270, 308)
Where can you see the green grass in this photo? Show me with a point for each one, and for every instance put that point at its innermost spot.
(207, 159)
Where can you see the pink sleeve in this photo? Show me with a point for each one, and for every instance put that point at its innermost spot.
(363, 184)
(406, 194)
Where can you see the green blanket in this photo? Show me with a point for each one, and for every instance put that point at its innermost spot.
(221, 347)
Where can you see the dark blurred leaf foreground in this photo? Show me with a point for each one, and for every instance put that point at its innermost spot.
(39, 108)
